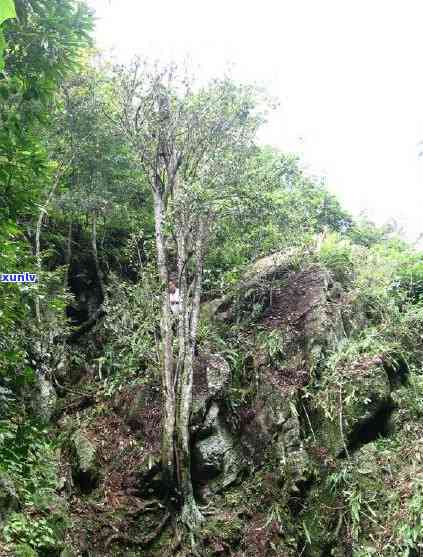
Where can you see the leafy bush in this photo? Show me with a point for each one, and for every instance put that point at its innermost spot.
(131, 325)
(29, 458)
(337, 255)
(409, 278)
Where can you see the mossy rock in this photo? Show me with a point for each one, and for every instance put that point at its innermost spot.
(275, 431)
(45, 399)
(85, 468)
(217, 457)
(212, 376)
(271, 264)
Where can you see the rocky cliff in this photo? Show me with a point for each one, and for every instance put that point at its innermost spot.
(306, 440)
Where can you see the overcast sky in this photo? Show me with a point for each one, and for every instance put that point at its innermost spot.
(348, 74)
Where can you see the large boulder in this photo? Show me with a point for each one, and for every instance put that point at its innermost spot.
(298, 312)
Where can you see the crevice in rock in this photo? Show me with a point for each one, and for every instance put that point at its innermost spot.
(374, 427)
(85, 481)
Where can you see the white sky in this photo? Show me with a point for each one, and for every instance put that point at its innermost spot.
(348, 74)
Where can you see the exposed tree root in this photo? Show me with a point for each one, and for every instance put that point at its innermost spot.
(191, 515)
(145, 507)
(142, 541)
(140, 507)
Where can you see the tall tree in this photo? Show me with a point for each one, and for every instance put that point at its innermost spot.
(192, 143)
(102, 187)
(43, 46)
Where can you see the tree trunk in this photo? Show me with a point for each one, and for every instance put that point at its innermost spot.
(191, 515)
(177, 383)
(168, 421)
(38, 259)
(95, 257)
(40, 220)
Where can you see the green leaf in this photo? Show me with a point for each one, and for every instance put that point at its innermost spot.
(7, 10)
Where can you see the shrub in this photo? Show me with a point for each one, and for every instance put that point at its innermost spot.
(337, 255)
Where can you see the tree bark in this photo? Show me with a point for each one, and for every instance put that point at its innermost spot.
(168, 421)
(191, 515)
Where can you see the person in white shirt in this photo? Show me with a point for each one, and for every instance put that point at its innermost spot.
(174, 298)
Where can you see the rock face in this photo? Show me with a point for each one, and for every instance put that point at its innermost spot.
(222, 447)
(301, 322)
(217, 457)
(275, 431)
(299, 311)
(357, 404)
